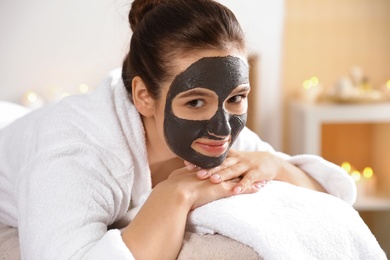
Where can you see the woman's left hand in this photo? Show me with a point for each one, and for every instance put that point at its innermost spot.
(255, 168)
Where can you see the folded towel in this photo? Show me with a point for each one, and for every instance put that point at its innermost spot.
(283, 221)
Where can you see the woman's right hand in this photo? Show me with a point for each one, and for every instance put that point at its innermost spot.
(164, 214)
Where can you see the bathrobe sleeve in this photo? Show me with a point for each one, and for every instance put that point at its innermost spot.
(76, 168)
(331, 177)
(66, 201)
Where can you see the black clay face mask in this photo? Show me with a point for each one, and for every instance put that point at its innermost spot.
(220, 75)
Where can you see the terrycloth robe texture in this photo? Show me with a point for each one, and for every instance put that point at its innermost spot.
(283, 221)
(71, 171)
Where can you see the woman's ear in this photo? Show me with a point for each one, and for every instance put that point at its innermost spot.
(141, 97)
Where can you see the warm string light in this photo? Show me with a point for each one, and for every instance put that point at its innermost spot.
(311, 90)
(346, 166)
(367, 173)
(33, 100)
(365, 180)
(83, 88)
(32, 97)
(355, 174)
(311, 83)
(388, 84)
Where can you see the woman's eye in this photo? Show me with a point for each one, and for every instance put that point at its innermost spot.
(195, 103)
(236, 99)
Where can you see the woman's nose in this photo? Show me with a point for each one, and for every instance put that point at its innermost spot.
(219, 124)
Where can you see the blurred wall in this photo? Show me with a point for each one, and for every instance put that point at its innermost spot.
(59, 43)
(325, 38)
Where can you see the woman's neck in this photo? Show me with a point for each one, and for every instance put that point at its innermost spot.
(162, 161)
(161, 170)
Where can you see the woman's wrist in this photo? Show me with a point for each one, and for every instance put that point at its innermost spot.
(175, 194)
(163, 214)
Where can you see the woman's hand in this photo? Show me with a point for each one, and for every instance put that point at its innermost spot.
(164, 213)
(195, 191)
(255, 169)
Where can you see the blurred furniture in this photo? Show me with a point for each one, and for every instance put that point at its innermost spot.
(306, 127)
(253, 106)
(306, 121)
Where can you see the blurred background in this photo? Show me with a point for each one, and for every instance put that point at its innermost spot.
(335, 91)
(320, 72)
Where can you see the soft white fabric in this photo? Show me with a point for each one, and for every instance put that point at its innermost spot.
(68, 171)
(327, 174)
(283, 221)
(332, 178)
(71, 169)
(11, 111)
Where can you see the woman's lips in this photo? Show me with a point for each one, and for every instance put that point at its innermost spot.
(212, 148)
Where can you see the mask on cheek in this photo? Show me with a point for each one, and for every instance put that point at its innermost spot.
(221, 75)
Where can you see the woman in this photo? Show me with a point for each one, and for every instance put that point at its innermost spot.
(147, 147)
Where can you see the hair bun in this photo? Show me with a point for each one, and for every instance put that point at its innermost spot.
(139, 8)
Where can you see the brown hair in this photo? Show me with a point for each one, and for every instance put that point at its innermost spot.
(162, 29)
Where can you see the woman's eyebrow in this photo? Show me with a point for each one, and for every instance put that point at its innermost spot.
(241, 88)
(195, 92)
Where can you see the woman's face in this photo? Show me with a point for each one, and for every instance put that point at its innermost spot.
(205, 107)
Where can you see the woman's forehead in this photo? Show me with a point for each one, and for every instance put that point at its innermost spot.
(220, 74)
(183, 60)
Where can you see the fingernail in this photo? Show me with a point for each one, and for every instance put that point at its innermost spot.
(258, 186)
(215, 177)
(202, 173)
(237, 190)
(190, 166)
(263, 183)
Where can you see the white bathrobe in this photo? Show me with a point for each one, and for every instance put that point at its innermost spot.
(70, 170)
